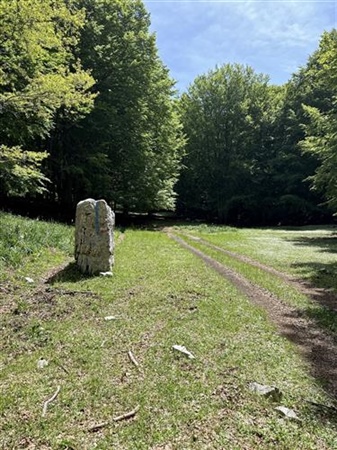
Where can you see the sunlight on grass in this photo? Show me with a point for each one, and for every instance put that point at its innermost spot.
(160, 295)
(21, 238)
(301, 251)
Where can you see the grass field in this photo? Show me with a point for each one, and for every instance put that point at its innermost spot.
(308, 252)
(160, 295)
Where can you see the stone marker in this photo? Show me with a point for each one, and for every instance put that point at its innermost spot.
(94, 244)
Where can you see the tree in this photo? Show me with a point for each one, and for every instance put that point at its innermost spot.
(128, 149)
(287, 198)
(225, 119)
(39, 78)
(20, 171)
(321, 131)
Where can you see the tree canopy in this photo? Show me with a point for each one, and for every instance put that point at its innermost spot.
(129, 147)
(39, 77)
(253, 149)
(321, 130)
(88, 109)
(224, 120)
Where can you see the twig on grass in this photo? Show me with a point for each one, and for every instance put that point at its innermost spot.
(51, 399)
(97, 427)
(125, 416)
(62, 367)
(133, 359)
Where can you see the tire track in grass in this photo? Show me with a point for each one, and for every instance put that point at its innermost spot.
(245, 259)
(318, 347)
(320, 295)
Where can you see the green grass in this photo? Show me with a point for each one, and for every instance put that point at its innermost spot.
(306, 252)
(161, 295)
(256, 275)
(287, 251)
(23, 240)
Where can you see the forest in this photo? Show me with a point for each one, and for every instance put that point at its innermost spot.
(88, 109)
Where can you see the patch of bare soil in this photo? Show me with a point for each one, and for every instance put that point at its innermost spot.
(318, 347)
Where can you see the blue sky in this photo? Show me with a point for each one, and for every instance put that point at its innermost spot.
(274, 37)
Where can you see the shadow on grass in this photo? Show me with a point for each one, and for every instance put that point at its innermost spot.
(320, 284)
(326, 244)
(320, 276)
(323, 317)
(70, 273)
(318, 346)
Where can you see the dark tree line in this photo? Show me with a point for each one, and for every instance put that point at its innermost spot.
(258, 153)
(87, 109)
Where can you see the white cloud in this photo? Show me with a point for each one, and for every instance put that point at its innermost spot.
(274, 37)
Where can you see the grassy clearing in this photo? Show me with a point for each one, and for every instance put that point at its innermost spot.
(160, 295)
(308, 252)
(293, 252)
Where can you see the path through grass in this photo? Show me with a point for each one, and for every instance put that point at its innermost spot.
(160, 295)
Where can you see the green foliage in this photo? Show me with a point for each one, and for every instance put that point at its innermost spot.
(86, 103)
(243, 162)
(39, 78)
(225, 115)
(293, 168)
(129, 147)
(39, 73)
(20, 172)
(321, 131)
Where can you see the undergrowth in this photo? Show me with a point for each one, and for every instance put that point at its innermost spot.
(21, 238)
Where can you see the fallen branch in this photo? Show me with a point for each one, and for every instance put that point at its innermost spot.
(51, 399)
(63, 368)
(125, 416)
(98, 427)
(133, 359)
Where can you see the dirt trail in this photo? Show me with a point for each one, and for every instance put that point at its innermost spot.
(323, 296)
(318, 347)
(242, 258)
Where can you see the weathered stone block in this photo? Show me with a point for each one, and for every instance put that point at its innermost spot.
(94, 244)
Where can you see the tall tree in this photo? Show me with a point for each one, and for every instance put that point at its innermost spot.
(225, 122)
(287, 197)
(39, 78)
(321, 131)
(129, 148)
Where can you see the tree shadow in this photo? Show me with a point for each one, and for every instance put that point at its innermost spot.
(318, 341)
(319, 348)
(319, 277)
(70, 273)
(326, 244)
